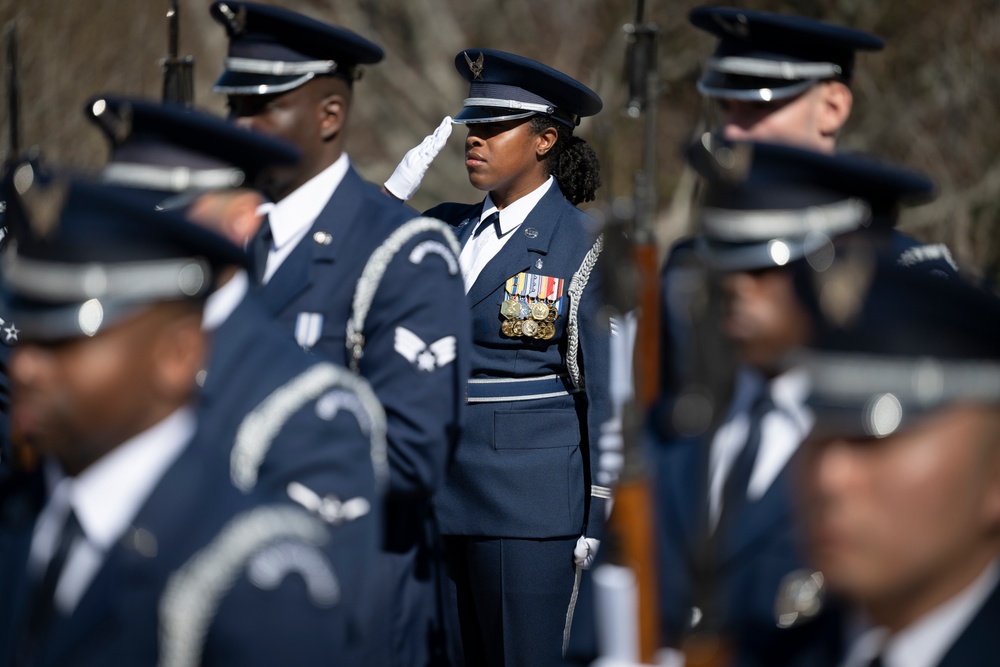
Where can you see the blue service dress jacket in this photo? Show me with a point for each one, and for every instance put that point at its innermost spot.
(684, 339)
(312, 294)
(976, 646)
(205, 575)
(415, 356)
(333, 443)
(751, 561)
(327, 453)
(528, 464)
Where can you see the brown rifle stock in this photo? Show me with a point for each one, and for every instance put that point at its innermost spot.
(635, 287)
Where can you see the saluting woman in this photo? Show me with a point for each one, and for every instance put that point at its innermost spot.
(523, 503)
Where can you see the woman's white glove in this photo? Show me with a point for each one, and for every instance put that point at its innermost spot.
(585, 552)
(405, 181)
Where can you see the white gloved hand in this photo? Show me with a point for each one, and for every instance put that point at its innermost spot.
(405, 181)
(585, 552)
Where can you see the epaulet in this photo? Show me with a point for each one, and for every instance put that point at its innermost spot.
(378, 263)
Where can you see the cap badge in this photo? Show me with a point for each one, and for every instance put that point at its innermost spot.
(9, 331)
(43, 203)
(731, 163)
(475, 67)
(237, 20)
(117, 122)
(842, 288)
(738, 27)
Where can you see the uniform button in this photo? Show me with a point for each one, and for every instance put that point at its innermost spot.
(323, 238)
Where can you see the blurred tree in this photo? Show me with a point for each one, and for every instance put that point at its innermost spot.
(931, 100)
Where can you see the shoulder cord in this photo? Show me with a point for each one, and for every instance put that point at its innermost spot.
(371, 277)
(259, 428)
(194, 592)
(576, 287)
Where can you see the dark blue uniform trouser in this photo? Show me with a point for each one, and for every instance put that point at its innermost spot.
(511, 596)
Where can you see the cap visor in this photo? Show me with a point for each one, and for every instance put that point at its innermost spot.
(750, 88)
(36, 321)
(855, 421)
(470, 115)
(249, 83)
(769, 254)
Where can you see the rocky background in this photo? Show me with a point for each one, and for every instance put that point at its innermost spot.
(931, 100)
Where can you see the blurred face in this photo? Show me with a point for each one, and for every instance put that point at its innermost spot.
(306, 117)
(811, 119)
(229, 213)
(77, 399)
(903, 523)
(505, 158)
(763, 316)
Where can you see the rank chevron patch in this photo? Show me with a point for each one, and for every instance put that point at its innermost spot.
(425, 357)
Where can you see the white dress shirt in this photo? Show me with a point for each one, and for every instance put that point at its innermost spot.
(925, 642)
(782, 431)
(106, 498)
(478, 252)
(291, 218)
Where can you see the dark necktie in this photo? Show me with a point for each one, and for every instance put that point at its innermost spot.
(260, 248)
(43, 598)
(734, 490)
(491, 219)
(876, 661)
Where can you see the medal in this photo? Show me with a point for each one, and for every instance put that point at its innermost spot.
(510, 308)
(532, 305)
(539, 311)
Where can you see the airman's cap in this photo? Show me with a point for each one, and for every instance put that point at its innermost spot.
(87, 255)
(169, 149)
(763, 57)
(766, 205)
(899, 344)
(505, 86)
(274, 50)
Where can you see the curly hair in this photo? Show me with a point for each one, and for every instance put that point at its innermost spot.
(571, 161)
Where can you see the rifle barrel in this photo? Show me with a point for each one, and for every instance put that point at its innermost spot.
(13, 93)
(173, 37)
(178, 72)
